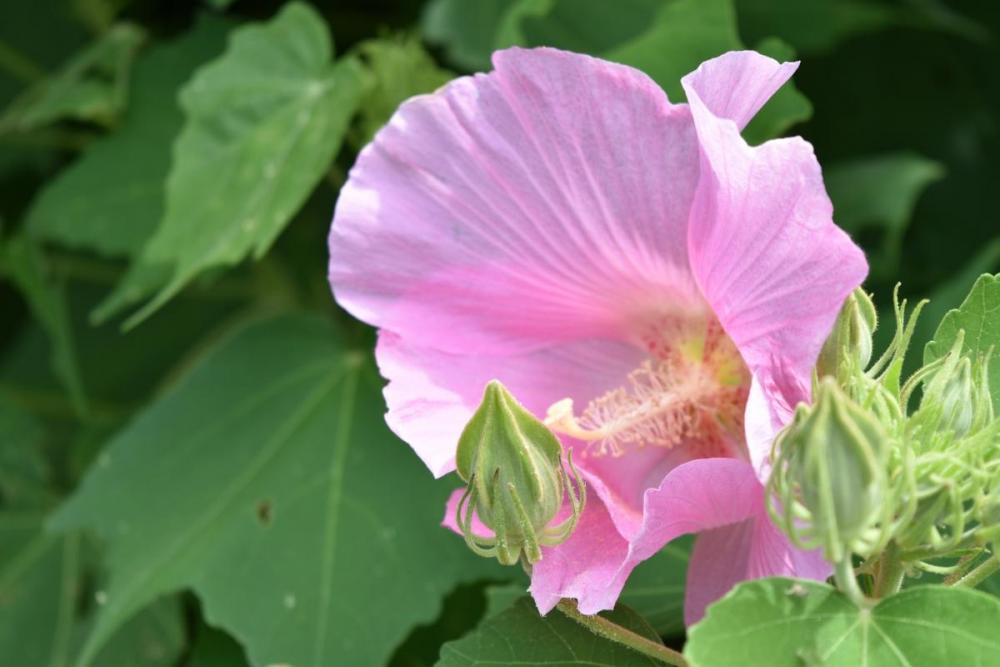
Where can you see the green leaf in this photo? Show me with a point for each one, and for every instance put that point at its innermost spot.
(396, 69)
(781, 621)
(111, 200)
(24, 263)
(268, 483)
(42, 588)
(519, 636)
(655, 589)
(979, 317)
(24, 472)
(155, 637)
(262, 124)
(949, 295)
(92, 86)
(881, 192)
(37, 595)
(467, 30)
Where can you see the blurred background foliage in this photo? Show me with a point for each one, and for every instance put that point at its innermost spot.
(193, 464)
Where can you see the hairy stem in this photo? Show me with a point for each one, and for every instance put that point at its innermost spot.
(980, 573)
(610, 630)
(889, 577)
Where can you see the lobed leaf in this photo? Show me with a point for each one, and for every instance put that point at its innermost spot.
(268, 483)
(777, 622)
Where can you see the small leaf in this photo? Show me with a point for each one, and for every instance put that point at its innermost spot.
(93, 86)
(24, 263)
(880, 191)
(979, 317)
(519, 636)
(781, 621)
(262, 124)
(111, 199)
(268, 483)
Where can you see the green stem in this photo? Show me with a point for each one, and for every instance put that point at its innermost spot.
(980, 573)
(890, 572)
(610, 630)
(847, 582)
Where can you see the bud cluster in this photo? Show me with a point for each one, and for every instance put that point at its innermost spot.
(862, 467)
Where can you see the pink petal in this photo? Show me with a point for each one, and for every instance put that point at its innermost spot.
(736, 85)
(431, 394)
(713, 495)
(764, 248)
(545, 201)
(581, 566)
(695, 496)
(750, 549)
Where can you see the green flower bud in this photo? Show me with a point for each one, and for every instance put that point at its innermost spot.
(851, 338)
(837, 459)
(957, 406)
(956, 402)
(512, 464)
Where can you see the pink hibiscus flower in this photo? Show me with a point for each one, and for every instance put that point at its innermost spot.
(561, 226)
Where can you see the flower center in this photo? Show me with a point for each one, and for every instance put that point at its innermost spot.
(692, 390)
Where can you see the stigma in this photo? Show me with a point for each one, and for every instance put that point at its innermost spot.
(691, 390)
